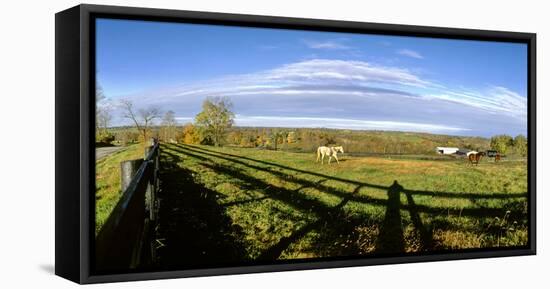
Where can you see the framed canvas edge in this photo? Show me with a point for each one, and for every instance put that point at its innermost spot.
(67, 146)
(304, 266)
(87, 118)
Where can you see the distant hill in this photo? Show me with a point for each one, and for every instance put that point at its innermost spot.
(354, 141)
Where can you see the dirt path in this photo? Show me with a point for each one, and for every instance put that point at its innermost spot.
(106, 151)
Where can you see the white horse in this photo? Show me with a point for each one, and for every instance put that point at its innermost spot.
(331, 152)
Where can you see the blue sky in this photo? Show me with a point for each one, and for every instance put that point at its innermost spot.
(292, 78)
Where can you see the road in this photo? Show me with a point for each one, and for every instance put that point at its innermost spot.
(105, 151)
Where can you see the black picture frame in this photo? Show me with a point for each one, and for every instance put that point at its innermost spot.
(74, 120)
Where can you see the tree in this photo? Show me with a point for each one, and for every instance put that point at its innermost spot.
(99, 96)
(326, 139)
(520, 145)
(235, 137)
(277, 137)
(169, 124)
(215, 119)
(501, 143)
(291, 137)
(103, 119)
(143, 119)
(190, 134)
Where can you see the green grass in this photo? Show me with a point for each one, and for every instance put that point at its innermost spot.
(284, 205)
(108, 181)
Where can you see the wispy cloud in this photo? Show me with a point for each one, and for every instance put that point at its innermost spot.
(342, 123)
(184, 119)
(335, 44)
(342, 70)
(410, 53)
(351, 94)
(495, 99)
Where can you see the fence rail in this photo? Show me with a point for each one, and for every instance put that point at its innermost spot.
(125, 240)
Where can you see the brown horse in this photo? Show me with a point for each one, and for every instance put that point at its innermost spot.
(475, 157)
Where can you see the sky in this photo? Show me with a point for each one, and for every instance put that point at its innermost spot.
(294, 78)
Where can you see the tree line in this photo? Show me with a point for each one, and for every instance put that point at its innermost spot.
(506, 144)
(215, 125)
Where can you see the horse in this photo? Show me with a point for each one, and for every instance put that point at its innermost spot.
(323, 151)
(475, 157)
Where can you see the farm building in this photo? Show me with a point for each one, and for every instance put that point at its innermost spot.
(464, 152)
(446, 150)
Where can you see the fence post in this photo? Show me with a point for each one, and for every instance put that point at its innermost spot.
(150, 195)
(150, 200)
(156, 182)
(127, 171)
(147, 150)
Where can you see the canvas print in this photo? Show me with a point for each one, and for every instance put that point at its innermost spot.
(220, 145)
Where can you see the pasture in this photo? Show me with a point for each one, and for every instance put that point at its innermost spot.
(226, 204)
(108, 181)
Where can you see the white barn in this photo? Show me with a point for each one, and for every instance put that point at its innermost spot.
(446, 150)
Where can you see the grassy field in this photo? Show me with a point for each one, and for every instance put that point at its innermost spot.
(249, 204)
(108, 181)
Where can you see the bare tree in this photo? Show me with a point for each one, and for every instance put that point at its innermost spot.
(103, 118)
(144, 117)
(169, 124)
(99, 96)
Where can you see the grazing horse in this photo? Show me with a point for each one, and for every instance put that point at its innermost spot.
(331, 152)
(475, 157)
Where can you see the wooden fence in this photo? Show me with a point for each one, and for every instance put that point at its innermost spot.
(126, 239)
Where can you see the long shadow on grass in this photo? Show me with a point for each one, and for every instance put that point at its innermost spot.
(327, 217)
(200, 153)
(193, 228)
(332, 221)
(464, 195)
(390, 238)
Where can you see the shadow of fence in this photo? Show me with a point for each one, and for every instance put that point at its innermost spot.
(193, 229)
(332, 220)
(125, 240)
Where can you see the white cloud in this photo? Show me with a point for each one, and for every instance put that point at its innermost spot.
(311, 76)
(354, 95)
(410, 53)
(184, 119)
(338, 70)
(341, 123)
(496, 100)
(328, 44)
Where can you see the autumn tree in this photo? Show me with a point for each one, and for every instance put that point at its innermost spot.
(190, 134)
(142, 119)
(520, 145)
(215, 119)
(235, 137)
(501, 143)
(276, 137)
(291, 137)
